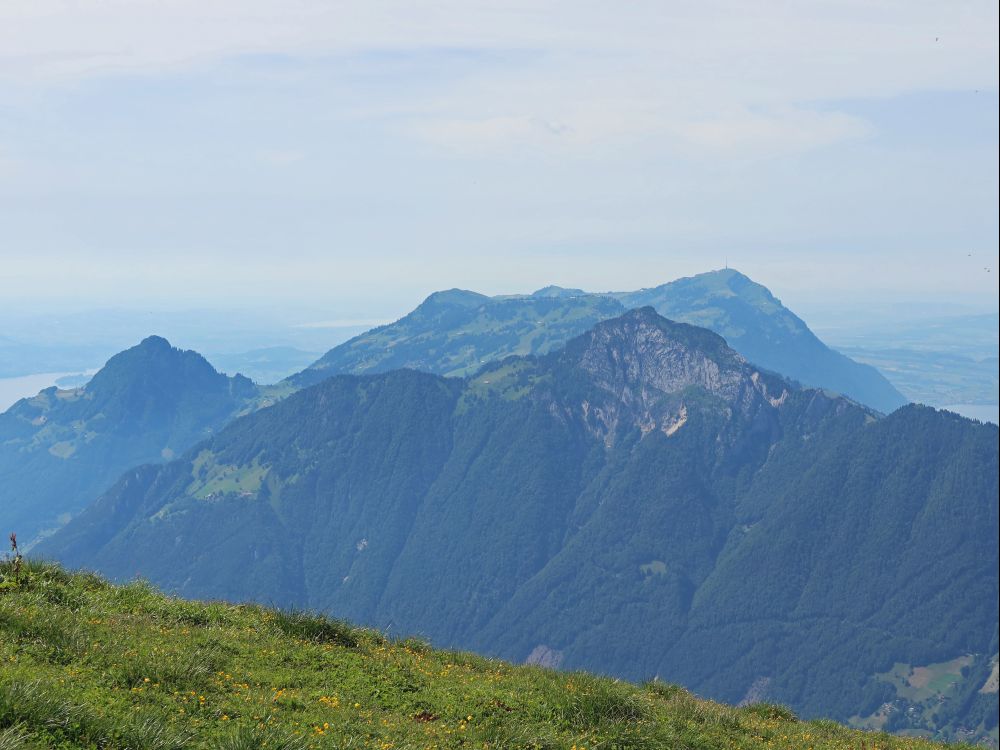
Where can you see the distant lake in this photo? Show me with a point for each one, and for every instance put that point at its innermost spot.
(14, 389)
(982, 412)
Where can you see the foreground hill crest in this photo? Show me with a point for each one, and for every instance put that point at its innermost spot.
(87, 664)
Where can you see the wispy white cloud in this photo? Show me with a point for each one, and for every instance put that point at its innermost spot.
(715, 73)
(491, 133)
(476, 143)
(783, 130)
(872, 44)
(280, 157)
(345, 323)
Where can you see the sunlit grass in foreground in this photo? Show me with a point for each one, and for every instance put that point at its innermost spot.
(84, 663)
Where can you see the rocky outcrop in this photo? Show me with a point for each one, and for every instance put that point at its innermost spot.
(649, 367)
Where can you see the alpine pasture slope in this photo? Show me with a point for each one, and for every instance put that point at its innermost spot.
(90, 665)
(456, 332)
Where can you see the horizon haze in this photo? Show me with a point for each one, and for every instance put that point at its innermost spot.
(350, 158)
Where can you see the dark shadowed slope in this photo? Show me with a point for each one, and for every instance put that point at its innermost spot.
(62, 448)
(642, 502)
(456, 332)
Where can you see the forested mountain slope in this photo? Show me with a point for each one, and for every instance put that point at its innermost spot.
(51, 466)
(60, 449)
(642, 502)
(455, 332)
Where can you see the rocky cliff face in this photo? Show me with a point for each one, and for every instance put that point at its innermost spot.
(652, 371)
(755, 323)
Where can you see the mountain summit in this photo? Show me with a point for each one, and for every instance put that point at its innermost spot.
(757, 325)
(641, 502)
(643, 350)
(643, 362)
(62, 448)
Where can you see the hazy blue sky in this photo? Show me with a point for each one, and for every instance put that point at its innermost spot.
(356, 155)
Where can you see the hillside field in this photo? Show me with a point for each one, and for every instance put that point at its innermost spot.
(87, 664)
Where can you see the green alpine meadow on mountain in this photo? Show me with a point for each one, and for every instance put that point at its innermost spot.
(642, 502)
(90, 665)
(455, 332)
(62, 448)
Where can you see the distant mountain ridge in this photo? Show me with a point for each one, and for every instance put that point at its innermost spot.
(452, 333)
(757, 325)
(63, 447)
(643, 501)
(455, 332)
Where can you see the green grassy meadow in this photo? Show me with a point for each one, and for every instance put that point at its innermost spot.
(88, 664)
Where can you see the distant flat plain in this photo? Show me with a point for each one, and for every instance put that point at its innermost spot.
(949, 362)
